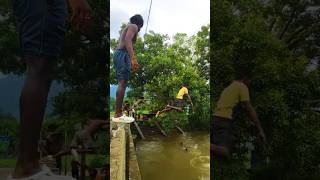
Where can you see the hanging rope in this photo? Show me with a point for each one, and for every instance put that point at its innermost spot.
(148, 17)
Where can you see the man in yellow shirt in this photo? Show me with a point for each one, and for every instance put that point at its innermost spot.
(237, 92)
(179, 102)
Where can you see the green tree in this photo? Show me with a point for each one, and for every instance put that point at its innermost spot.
(241, 36)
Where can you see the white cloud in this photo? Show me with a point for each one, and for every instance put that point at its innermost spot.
(167, 16)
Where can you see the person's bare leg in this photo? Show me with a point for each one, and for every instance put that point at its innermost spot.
(33, 100)
(166, 109)
(220, 151)
(95, 125)
(122, 85)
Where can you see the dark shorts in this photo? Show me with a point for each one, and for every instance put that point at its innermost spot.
(179, 103)
(221, 132)
(41, 26)
(122, 64)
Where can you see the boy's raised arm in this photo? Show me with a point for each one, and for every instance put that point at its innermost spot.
(254, 117)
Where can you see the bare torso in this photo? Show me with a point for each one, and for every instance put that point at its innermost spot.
(122, 42)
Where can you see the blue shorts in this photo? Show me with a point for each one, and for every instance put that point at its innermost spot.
(179, 103)
(41, 26)
(122, 64)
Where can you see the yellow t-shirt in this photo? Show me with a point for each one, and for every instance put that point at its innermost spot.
(182, 92)
(233, 94)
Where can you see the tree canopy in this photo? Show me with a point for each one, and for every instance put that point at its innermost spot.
(276, 41)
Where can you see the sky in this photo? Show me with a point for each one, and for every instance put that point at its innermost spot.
(166, 17)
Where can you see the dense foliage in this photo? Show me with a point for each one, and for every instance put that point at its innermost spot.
(8, 133)
(277, 41)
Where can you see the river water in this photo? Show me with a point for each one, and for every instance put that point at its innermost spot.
(175, 157)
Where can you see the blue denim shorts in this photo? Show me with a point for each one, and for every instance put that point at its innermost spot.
(41, 26)
(122, 64)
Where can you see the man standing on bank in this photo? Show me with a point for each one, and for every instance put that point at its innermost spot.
(124, 59)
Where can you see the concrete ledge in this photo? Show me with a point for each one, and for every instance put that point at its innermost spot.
(123, 158)
(118, 154)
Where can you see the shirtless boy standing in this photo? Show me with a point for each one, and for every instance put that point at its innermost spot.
(124, 59)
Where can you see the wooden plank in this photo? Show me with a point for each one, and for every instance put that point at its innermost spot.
(176, 108)
(79, 151)
(180, 129)
(139, 130)
(159, 127)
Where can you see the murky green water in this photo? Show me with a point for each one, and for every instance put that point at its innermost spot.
(176, 157)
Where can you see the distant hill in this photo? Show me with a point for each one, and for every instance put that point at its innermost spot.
(113, 91)
(10, 88)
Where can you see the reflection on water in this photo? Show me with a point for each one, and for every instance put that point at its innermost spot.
(175, 157)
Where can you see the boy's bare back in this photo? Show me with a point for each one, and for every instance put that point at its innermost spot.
(124, 33)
